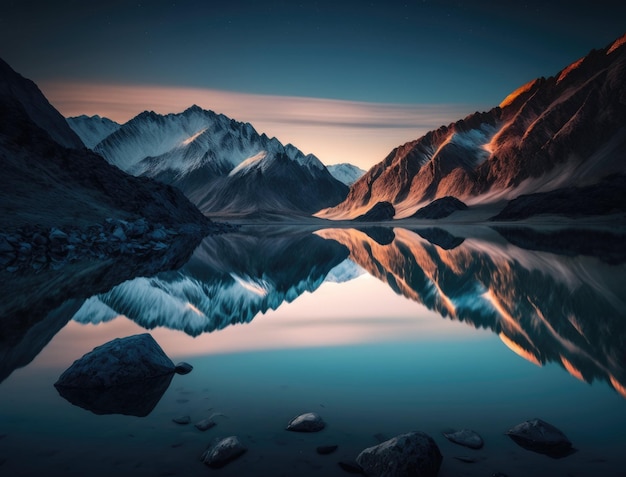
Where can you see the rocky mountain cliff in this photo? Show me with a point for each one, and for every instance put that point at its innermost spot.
(565, 130)
(224, 166)
(49, 178)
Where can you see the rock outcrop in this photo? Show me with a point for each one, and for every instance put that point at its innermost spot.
(414, 454)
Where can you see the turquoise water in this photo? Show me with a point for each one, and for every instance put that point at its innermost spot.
(364, 343)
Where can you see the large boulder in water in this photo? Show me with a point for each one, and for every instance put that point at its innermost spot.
(539, 436)
(414, 454)
(121, 361)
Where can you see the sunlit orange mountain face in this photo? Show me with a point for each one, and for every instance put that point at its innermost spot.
(544, 307)
(565, 130)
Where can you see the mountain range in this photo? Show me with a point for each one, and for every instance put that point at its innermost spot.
(568, 130)
(223, 166)
(50, 179)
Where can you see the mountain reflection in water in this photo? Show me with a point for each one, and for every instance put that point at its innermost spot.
(545, 307)
(568, 309)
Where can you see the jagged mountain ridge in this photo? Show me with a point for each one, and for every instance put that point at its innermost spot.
(92, 129)
(222, 165)
(566, 130)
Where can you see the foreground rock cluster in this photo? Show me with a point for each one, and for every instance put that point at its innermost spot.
(36, 248)
(138, 360)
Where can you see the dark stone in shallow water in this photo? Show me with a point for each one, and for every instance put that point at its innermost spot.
(118, 362)
(325, 450)
(222, 451)
(205, 424)
(465, 437)
(539, 436)
(183, 368)
(134, 399)
(124, 376)
(406, 455)
(183, 420)
(351, 467)
(307, 422)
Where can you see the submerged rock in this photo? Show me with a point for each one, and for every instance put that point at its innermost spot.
(350, 467)
(183, 420)
(183, 368)
(222, 451)
(539, 436)
(414, 454)
(465, 437)
(205, 424)
(118, 362)
(134, 399)
(325, 450)
(307, 422)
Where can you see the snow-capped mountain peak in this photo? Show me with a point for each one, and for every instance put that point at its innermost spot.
(92, 129)
(203, 152)
(346, 173)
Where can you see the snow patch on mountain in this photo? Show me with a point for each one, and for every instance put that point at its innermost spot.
(344, 272)
(249, 163)
(345, 172)
(92, 129)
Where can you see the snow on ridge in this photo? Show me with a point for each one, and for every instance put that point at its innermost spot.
(192, 138)
(346, 173)
(249, 163)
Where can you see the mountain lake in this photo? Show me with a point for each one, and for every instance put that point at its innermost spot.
(380, 331)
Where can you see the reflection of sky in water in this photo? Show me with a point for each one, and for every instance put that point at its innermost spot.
(359, 311)
(370, 360)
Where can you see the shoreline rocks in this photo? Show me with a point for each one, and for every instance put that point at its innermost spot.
(37, 248)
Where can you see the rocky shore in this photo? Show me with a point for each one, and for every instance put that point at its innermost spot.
(33, 247)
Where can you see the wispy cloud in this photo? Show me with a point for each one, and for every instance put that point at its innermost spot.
(334, 130)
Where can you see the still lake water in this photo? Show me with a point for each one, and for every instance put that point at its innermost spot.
(381, 331)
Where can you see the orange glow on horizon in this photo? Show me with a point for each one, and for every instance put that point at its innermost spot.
(334, 130)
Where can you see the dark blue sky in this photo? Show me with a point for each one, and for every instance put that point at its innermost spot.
(345, 80)
(380, 51)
